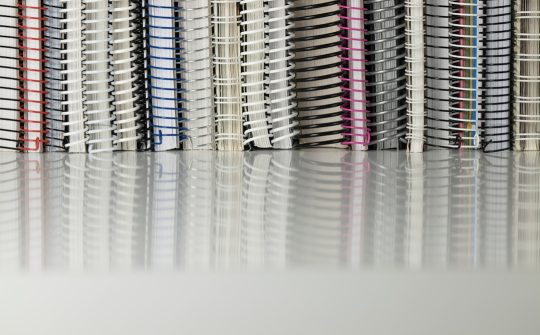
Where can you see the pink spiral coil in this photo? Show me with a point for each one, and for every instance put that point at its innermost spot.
(357, 133)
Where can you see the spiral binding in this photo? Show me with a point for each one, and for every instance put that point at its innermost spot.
(9, 77)
(65, 118)
(128, 76)
(196, 74)
(163, 63)
(64, 87)
(415, 74)
(385, 25)
(280, 84)
(31, 67)
(253, 52)
(318, 72)
(438, 132)
(526, 75)
(357, 134)
(496, 131)
(464, 75)
(227, 78)
(97, 60)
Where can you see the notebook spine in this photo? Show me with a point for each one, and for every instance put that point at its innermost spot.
(385, 25)
(9, 67)
(526, 75)
(438, 132)
(353, 44)
(496, 75)
(197, 86)
(254, 71)
(127, 73)
(318, 72)
(31, 76)
(464, 75)
(415, 74)
(280, 83)
(164, 64)
(98, 71)
(227, 78)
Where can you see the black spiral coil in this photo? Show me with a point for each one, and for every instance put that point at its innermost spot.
(386, 79)
(54, 75)
(318, 72)
(496, 130)
(437, 65)
(9, 68)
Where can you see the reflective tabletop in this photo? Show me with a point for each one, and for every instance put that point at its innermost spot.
(269, 209)
(270, 242)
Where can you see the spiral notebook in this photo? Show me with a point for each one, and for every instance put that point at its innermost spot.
(526, 75)
(9, 78)
(437, 80)
(318, 72)
(254, 72)
(128, 75)
(280, 81)
(65, 109)
(385, 65)
(414, 32)
(353, 44)
(226, 41)
(31, 70)
(98, 96)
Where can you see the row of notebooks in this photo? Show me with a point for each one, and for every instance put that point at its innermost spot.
(104, 75)
(269, 208)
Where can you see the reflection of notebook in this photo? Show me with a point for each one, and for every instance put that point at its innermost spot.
(11, 207)
(254, 195)
(9, 83)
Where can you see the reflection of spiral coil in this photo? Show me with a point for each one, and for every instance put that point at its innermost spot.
(317, 69)
(385, 34)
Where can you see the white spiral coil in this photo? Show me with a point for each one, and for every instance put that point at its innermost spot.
(254, 74)
(281, 74)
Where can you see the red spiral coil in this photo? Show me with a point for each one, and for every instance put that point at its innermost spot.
(31, 77)
(354, 134)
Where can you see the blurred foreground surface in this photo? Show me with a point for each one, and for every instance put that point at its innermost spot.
(270, 242)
